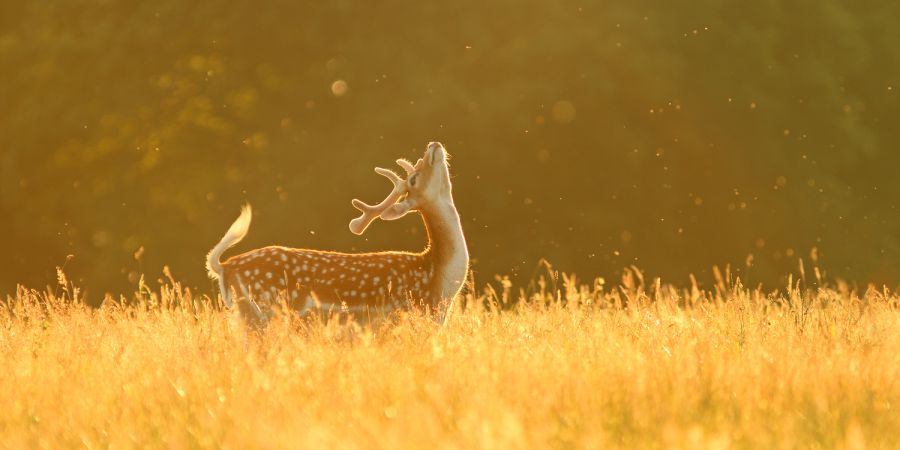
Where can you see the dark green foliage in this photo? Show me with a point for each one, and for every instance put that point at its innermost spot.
(683, 134)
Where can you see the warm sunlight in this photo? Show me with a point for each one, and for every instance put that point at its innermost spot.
(458, 225)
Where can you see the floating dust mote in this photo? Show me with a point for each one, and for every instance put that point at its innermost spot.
(591, 366)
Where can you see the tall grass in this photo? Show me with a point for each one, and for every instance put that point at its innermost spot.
(570, 366)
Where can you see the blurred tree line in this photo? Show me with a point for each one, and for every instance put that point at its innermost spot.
(594, 134)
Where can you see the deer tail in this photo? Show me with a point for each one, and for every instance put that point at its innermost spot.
(234, 235)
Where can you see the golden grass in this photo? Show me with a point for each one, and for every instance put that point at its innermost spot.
(585, 367)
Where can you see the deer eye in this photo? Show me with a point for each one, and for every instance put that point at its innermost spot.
(413, 180)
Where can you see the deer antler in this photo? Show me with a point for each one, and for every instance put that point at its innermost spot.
(406, 165)
(369, 212)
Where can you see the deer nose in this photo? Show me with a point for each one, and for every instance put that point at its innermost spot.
(434, 153)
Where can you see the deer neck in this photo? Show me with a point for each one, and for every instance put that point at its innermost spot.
(446, 250)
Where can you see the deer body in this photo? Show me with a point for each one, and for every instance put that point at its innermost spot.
(359, 283)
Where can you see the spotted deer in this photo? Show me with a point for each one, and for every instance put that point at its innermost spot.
(363, 284)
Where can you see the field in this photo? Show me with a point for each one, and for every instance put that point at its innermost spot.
(626, 364)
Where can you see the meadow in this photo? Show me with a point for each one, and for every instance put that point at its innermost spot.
(556, 364)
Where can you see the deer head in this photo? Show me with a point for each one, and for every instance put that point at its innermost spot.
(427, 184)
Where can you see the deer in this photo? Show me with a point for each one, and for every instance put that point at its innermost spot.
(364, 285)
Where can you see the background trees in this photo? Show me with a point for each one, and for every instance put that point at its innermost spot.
(596, 135)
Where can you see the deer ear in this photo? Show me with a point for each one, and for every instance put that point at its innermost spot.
(398, 210)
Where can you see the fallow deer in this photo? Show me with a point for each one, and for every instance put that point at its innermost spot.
(359, 283)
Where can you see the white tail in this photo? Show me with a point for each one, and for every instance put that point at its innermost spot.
(235, 234)
(360, 283)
